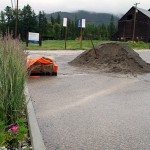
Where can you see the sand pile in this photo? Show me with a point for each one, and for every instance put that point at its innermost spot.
(112, 57)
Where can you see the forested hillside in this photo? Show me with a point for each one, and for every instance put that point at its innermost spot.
(98, 26)
(91, 17)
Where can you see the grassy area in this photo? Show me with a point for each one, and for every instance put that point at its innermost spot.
(60, 44)
(137, 45)
(75, 45)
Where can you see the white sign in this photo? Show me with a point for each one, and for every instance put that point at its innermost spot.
(33, 37)
(79, 23)
(83, 23)
(65, 22)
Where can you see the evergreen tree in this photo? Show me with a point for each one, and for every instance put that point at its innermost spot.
(72, 28)
(58, 19)
(2, 23)
(57, 29)
(28, 21)
(43, 24)
(90, 31)
(52, 20)
(8, 20)
(111, 27)
(103, 32)
(69, 33)
(51, 31)
(76, 29)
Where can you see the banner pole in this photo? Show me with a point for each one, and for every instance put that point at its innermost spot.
(66, 38)
(81, 38)
(65, 24)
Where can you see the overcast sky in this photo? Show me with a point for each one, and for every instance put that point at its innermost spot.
(106, 6)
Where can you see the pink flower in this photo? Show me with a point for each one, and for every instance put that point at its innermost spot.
(14, 129)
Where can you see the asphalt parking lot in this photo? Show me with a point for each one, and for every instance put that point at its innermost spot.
(84, 109)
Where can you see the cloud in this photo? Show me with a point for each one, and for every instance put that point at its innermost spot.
(107, 6)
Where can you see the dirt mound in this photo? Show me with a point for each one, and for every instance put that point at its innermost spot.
(112, 57)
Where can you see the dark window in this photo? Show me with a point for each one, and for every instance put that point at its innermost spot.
(129, 17)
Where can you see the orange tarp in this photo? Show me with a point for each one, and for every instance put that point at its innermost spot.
(43, 60)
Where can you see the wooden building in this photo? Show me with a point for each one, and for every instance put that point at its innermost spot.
(134, 25)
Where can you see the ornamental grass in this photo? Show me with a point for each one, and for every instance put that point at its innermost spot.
(12, 80)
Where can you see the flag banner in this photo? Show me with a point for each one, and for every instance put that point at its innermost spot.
(65, 22)
(83, 23)
(79, 23)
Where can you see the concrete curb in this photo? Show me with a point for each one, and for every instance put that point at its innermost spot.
(36, 137)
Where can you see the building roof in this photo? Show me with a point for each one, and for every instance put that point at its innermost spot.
(145, 12)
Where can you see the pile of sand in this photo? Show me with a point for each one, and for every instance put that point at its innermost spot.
(112, 57)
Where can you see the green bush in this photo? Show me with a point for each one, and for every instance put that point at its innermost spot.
(13, 138)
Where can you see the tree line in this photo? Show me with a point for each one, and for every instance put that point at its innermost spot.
(29, 21)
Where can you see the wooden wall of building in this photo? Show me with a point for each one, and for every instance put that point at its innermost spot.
(142, 26)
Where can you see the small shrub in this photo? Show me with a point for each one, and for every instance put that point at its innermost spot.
(12, 136)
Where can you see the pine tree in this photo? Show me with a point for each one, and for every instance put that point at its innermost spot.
(8, 20)
(52, 20)
(51, 31)
(28, 22)
(111, 27)
(57, 29)
(58, 19)
(43, 24)
(103, 32)
(2, 23)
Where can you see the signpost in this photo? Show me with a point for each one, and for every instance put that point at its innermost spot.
(16, 26)
(81, 24)
(65, 24)
(34, 38)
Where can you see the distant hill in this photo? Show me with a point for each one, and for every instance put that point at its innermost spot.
(91, 17)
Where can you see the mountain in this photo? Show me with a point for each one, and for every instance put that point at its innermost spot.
(91, 17)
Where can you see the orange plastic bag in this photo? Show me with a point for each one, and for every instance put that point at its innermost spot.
(42, 60)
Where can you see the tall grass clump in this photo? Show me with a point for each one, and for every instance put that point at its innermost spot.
(12, 80)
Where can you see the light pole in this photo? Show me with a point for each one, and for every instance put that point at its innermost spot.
(16, 26)
(12, 4)
(134, 23)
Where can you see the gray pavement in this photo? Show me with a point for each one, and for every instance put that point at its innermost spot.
(90, 110)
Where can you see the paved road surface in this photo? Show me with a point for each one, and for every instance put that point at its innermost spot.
(88, 110)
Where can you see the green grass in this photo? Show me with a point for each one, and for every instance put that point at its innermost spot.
(75, 45)
(137, 45)
(60, 45)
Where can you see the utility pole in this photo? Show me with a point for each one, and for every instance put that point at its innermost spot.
(134, 23)
(12, 4)
(16, 26)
